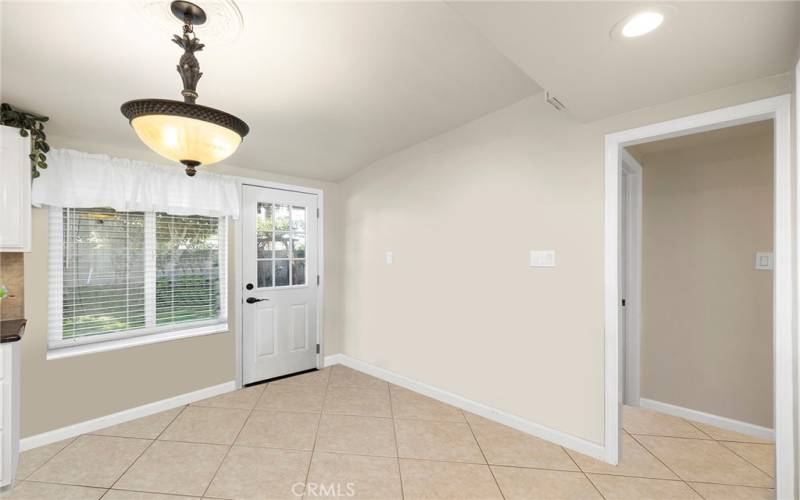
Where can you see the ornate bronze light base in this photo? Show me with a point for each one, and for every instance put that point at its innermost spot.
(189, 70)
(187, 10)
(191, 167)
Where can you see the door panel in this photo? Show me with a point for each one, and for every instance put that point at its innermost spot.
(280, 255)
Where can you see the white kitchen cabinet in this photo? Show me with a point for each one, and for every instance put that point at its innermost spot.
(15, 191)
(9, 411)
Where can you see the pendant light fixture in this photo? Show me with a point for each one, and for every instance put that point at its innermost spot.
(182, 130)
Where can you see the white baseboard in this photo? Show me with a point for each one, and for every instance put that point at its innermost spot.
(580, 445)
(707, 418)
(123, 416)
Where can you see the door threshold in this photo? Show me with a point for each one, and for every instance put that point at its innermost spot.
(273, 379)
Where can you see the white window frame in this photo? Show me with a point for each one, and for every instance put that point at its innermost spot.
(57, 347)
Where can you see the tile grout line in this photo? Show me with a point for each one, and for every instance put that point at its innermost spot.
(696, 427)
(49, 459)
(710, 438)
(316, 434)
(667, 466)
(145, 492)
(395, 419)
(584, 473)
(722, 443)
(230, 447)
(593, 484)
(697, 438)
(143, 451)
(396, 443)
(488, 465)
(100, 435)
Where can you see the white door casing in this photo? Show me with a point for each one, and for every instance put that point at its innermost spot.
(775, 108)
(630, 275)
(280, 266)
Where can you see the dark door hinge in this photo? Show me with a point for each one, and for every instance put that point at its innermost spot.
(317, 348)
(318, 213)
(318, 279)
(623, 302)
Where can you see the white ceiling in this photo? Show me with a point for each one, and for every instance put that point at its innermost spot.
(702, 46)
(327, 88)
(330, 87)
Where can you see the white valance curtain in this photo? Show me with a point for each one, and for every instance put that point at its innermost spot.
(81, 180)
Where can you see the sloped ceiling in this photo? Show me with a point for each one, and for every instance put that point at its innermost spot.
(327, 88)
(702, 46)
(330, 87)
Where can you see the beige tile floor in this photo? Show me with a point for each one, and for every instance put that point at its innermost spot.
(338, 432)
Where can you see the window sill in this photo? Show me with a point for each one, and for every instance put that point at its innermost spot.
(124, 343)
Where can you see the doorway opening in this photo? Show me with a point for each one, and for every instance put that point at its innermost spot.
(624, 268)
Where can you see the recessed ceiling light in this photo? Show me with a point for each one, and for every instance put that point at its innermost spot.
(641, 23)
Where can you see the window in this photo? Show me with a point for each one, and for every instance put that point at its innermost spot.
(116, 275)
(281, 233)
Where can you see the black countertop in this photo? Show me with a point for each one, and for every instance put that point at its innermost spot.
(11, 330)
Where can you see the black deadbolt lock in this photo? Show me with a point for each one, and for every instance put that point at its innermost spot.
(249, 286)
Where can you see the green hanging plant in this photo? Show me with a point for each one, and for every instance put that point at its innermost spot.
(28, 124)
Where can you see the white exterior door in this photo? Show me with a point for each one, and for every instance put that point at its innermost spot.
(279, 280)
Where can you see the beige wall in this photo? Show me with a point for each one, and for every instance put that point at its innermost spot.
(460, 309)
(706, 338)
(61, 392)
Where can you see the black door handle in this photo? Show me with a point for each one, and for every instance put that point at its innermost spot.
(253, 300)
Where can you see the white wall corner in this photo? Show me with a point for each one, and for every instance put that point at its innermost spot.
(574, 443)
(710, 419)
(333, 359)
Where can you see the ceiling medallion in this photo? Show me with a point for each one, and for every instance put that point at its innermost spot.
(182, 130)
(224, 24)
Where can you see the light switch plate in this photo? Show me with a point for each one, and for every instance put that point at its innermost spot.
(764, 261)
(543, 258)
(389, 257)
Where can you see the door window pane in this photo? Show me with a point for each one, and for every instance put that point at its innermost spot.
(282, 241)
(282, 217)
(264, 218)
(264, 273)
(298, 272)
(264, 245)
(281, 272)
(299, 219)
(299, 246)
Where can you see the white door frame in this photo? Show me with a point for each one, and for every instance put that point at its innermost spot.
(631, 344)
(777, 109)
(239, 262)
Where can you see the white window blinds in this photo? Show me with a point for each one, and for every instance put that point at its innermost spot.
(123, 274)
(187, 268)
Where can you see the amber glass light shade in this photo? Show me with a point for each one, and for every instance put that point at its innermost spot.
(180, 138)
(187, 133)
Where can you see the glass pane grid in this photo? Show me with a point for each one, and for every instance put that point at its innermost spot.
(281, 245)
